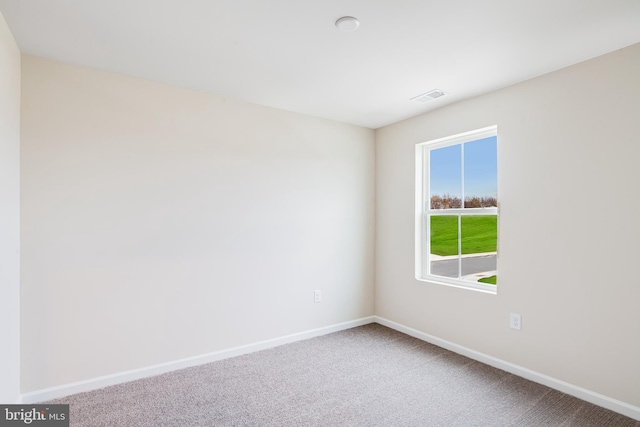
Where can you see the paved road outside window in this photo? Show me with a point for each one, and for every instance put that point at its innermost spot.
(470, 265)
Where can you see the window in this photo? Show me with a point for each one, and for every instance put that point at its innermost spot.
(457, 210)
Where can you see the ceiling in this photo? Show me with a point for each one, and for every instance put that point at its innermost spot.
(288, 54)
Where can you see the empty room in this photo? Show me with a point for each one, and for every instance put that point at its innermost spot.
(289, 213)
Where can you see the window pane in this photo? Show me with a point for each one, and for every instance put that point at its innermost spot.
(445, 177)
(479, 239)
(479, 233)
(480, 173)
(443, 260)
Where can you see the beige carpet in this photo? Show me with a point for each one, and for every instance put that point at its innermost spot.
(366, 376)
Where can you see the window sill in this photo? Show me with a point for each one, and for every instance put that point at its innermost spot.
(472, 286)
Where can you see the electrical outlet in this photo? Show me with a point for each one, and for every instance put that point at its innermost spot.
(317, 295)
(515, 321)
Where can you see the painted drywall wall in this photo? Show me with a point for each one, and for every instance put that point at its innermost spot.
(161, 223)
(9, 216)
(569, 230)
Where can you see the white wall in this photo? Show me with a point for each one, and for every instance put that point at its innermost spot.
(161, 223)
(569, 227)
(9, 216)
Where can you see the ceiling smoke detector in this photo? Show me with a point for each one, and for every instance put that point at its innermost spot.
(347, 24)
(429, 96)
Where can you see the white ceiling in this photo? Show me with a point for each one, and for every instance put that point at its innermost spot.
(288, 54)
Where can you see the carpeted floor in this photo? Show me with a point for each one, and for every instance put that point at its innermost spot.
(366, 376)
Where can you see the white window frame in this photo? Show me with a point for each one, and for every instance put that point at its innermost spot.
(423, 209)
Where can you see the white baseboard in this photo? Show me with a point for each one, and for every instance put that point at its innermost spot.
(618, 406)
(135, 374)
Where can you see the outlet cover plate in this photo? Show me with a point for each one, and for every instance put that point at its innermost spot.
(515, 321)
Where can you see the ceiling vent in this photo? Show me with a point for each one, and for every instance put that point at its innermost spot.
(429, 96)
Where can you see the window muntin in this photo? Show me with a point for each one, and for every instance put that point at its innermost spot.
(456, 210)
